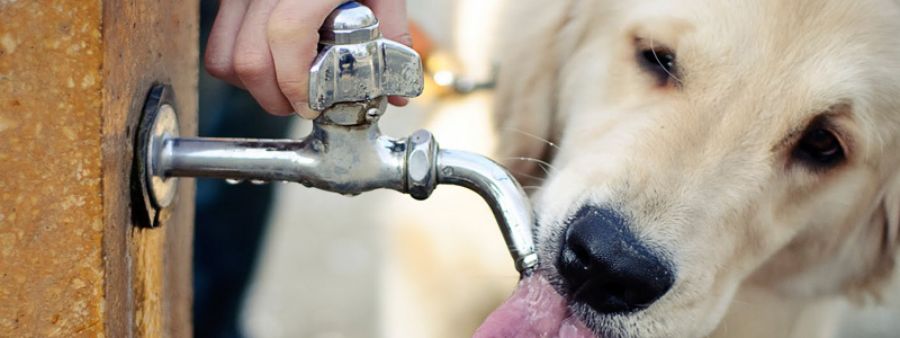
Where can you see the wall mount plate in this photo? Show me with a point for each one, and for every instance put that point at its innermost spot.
(159, 121)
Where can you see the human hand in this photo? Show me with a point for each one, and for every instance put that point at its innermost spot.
(267, 46)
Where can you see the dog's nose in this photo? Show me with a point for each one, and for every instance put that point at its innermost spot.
(606, 266)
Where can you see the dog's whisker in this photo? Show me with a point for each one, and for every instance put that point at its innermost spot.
(539, 179)
(546, 166)
(525, 133)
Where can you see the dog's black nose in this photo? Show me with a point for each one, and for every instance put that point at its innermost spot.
(606, 266)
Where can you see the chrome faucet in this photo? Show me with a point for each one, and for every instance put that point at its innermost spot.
(352, 76)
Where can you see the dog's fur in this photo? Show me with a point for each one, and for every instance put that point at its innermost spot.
(703, 165)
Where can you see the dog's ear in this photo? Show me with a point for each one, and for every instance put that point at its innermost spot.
(529, 54)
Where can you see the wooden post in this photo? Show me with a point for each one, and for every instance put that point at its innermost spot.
(73, 77)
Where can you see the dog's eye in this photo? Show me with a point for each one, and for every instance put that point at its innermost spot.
(819, 148)
(659, 62)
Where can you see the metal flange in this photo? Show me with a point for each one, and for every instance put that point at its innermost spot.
(159, 122)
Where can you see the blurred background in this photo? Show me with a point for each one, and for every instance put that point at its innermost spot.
(282, 260)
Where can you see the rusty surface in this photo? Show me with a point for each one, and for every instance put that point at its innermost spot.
(51, 216)
(162, 46)
(73, 75)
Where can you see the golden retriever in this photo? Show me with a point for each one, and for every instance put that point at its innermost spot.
(723, 168)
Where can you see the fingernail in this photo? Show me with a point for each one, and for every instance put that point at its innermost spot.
(406, 39)
(398, 101)
(302, 109)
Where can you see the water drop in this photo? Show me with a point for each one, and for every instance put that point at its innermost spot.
(259, 182)
(233, 181)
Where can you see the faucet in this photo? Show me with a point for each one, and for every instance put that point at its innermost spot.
(346, 153)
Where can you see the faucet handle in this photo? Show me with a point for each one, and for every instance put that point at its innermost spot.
(356, 64)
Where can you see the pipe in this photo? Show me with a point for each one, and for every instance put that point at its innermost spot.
(501, 192)
(235, 159)
(350, 80)
(344, 160)
(351, 161)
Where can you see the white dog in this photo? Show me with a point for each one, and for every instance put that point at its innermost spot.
(718, 167)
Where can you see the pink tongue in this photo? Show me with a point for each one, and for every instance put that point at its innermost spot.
(534, 310)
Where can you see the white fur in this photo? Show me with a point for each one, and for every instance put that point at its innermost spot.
(703, 168)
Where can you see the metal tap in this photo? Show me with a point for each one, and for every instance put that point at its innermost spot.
(352, 76)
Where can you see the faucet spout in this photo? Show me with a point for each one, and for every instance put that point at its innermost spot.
(354, 159)
(503, 194)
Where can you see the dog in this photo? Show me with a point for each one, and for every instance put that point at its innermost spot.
(707, 168)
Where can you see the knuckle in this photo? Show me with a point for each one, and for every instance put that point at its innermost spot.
(251, 65)
(293, 89)
(218, 66)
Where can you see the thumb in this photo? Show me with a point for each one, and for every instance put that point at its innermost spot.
(392, 19)
(394, 25)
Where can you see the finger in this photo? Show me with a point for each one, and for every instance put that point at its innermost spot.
(220, 45)
(392, 20)
(293, 38)
(398, 101)
(253, 61)
(393, 24)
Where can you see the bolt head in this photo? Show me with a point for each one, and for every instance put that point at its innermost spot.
(349, 23)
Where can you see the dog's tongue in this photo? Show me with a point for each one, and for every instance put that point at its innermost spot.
(534, 310)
